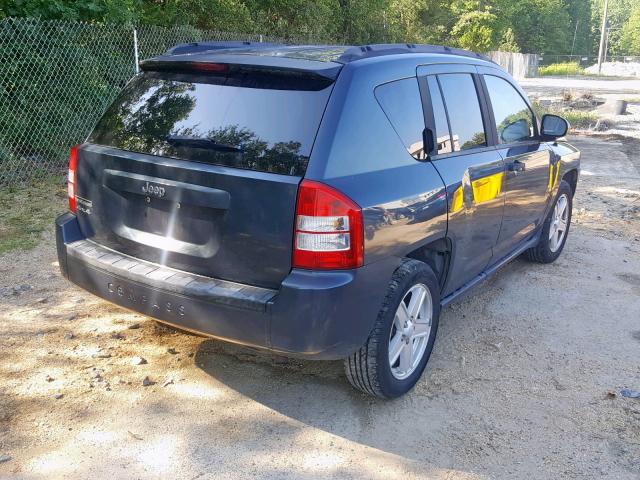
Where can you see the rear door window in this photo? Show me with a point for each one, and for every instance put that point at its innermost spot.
(264, 129)
(442, 134)
(402, 105)
(514, 119)
(463, 108)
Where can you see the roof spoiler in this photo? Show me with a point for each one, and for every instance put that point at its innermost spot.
(246, 70)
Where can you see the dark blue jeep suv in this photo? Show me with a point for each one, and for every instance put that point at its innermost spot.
(316, 201)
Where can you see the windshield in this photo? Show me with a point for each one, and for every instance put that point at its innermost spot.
(267, 129)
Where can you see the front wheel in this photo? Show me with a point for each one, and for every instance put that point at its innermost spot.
(394, 356)
(555, 229)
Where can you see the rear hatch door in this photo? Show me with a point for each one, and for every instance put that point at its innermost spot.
(198, 169)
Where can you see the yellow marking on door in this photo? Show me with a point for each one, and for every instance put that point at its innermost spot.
(487, 188)
(457, 200)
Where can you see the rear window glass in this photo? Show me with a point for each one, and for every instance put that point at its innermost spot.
(264, 129)
(402, 104)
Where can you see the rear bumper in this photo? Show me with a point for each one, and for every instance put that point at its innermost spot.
(320, 315)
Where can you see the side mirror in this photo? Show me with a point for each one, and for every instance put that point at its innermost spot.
(553, 126)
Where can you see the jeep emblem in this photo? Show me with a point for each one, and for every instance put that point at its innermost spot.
(155, 190)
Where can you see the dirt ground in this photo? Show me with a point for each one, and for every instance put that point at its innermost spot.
(524, 380)
(600, 85)
(572, 90)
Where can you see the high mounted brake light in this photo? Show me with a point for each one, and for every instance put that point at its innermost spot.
(329, 229)
(153, 65)
(71, 183)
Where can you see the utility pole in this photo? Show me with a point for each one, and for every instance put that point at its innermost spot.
(603, 36)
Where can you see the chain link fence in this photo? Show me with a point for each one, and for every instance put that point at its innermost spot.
(58, 77)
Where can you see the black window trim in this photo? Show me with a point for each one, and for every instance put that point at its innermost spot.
(491, 135)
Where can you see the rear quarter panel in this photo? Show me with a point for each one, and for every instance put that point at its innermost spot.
(358, 152)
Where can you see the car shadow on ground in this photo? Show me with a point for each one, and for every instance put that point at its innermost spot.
(317, 394)
(436, 425)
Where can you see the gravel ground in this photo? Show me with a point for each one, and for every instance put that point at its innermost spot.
(599, 89)
(524, 381)
(616, 69)
(599, 85)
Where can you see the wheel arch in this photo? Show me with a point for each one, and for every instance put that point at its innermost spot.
(571, 177)
(436, 254)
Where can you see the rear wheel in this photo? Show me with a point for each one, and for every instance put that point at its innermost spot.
(555, 229)
(394, 356)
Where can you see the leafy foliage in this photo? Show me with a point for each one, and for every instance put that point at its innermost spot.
(533, 26)
(508, 42)
(630, 35)
(473, 30)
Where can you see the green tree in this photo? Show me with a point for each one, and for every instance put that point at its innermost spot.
(402, 22)
(508, 42)
(300, 20)
(539, 26)
(620, 13)
(361, 21)
(630, 35)
(92, 10)
(226, 15)
(474, 30)
(580, 13)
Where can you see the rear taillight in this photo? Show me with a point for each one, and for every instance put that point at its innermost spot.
(328, 230)
(71, 183)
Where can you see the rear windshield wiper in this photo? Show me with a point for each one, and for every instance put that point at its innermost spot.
(205, 143)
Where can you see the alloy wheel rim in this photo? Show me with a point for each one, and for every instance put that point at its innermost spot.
(559, 220)
(410, 331)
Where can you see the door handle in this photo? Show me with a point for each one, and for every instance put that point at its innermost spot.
(517, 166)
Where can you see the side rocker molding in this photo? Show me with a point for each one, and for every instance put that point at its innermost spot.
(467, 287)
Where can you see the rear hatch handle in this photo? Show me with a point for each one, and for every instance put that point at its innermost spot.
(171, 190)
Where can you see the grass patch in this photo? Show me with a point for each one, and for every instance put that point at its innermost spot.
(566, 68)
(27, 209)
(578, 119)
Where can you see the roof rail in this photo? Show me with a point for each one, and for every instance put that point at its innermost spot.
(197, 47)
(377, 50)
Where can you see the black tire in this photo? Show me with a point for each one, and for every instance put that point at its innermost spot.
(368, 369)
(542, 252)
